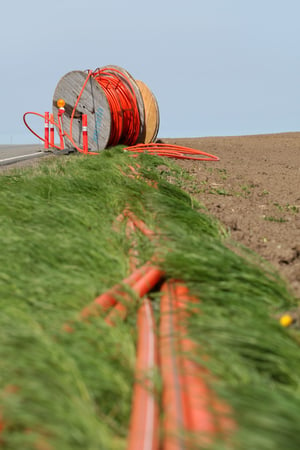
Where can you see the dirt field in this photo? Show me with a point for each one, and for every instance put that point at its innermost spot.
(254, 190)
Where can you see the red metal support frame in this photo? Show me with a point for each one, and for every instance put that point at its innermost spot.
(85, 142)
(46, 134)
(51, 120)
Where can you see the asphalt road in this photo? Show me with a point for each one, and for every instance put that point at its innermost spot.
(10, 154)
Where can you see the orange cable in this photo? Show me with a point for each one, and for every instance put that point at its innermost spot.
(172, 398)
(140, 288)
(206, 416)
(123, 105)
(144, 421)
(171, 151)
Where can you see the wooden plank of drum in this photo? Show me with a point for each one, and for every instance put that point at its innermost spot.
(93, 102)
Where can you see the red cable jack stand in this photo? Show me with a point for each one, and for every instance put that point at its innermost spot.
(51, 120)
(85, 133)
(46, 135)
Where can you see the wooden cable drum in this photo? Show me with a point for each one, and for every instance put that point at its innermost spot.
(93, 102)
(151, 113)
(132, 83)
(131, 119)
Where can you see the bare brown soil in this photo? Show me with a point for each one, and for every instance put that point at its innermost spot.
(254, 190)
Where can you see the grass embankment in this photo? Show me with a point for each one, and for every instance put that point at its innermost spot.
(59, 250)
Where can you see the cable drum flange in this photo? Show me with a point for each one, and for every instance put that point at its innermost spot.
(151, 114)
(92, 102)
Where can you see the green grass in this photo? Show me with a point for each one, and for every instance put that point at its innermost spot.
(60, 249)
(275, 219)
(287, 208)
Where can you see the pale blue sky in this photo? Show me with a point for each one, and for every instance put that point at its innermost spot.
(216, 67)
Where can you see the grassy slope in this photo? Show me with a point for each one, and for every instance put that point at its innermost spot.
(59, 250)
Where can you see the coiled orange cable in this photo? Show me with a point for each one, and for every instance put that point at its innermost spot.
(123, 105)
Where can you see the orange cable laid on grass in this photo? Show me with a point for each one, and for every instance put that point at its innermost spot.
(144, 421)
(141, 281)
(109, 298)
(140, 288)
(104, 302)
(206, 416)
(149, 279)
(198, 417)
(173, 419)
